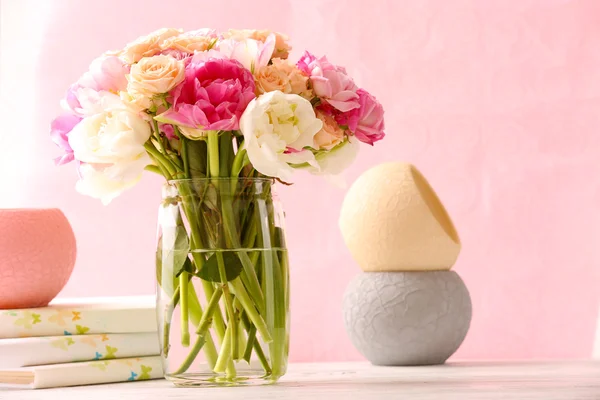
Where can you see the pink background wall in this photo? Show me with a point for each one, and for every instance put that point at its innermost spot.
(497, 102)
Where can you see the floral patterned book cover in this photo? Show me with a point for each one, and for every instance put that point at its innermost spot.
(86, 316)
(32, 351)
(84, 373)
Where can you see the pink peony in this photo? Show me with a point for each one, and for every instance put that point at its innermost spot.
(365, 122)
(330, 82)
(59, 132)
(213, 96)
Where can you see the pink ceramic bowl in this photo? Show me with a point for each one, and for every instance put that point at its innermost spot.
(37, 255)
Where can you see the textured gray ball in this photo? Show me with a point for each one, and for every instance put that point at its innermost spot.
(407, 318)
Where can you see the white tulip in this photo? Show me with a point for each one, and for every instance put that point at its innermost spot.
(277, 128)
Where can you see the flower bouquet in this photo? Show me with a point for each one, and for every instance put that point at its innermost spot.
(222, 117)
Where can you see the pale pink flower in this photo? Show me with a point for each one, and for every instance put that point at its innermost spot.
(59, 132)
(251, 53)
(330, 82)
(106, 73)
(282, 47)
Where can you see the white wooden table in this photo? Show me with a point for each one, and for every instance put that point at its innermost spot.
(464, 381)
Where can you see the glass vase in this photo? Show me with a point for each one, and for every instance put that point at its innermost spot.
(223, 282)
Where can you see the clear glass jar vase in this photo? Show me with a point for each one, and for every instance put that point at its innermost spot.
(223, 282)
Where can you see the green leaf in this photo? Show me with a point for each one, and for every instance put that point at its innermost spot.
(197, 155)
(173, 253)
(210, 270)
(169, 288)
(225, 154)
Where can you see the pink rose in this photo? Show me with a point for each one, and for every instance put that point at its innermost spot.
(330, 82)
(365, 122)
(212, 96)
(59, 132)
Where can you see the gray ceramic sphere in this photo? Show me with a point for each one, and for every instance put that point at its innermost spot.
(407, 318)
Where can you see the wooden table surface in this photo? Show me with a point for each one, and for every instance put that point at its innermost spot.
(464, 381)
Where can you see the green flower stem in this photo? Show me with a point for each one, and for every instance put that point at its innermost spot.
(225, 354)
(161, 168)
(250, 344)
(225, 154)
(176, 161)
(238, 352)
(184, 151)
(154, 168)
(201, 339)
(239, 291)
(185, 330)
(196, 314)
(251, 329)
(218, 322)
(161, 159)
(232, 324)
(207, 317)
(276, 313)
(274, 294)
(239, 162)
(250, 278)
(190, 211)
(213, 153)
(161, 148)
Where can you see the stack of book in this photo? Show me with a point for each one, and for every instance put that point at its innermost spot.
(80, 342)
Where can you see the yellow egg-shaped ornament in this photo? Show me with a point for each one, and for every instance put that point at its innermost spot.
(392, 220)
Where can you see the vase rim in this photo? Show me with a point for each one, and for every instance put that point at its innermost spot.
(222, 179)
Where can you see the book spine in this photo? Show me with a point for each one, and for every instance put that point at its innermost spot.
(65, 349)
(95, 372)
(50, 321)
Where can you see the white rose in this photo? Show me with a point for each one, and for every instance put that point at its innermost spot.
(277, 127)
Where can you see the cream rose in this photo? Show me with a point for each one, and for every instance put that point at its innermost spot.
(298, 81)
(155, 75)
(191, 42)
(270, 78)
(330, 135)
(282, 47)
(146, 46)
